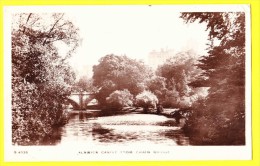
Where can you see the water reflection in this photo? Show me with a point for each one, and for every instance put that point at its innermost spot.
(101, 134)
(178, 136)
(92, 128)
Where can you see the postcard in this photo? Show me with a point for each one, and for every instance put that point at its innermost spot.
(127, 83)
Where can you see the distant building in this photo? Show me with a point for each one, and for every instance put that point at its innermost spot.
(156, 58)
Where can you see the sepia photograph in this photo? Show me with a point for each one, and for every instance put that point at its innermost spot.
(140, 82)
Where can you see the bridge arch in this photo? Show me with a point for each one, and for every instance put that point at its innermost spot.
(74, 104)
(81, 100)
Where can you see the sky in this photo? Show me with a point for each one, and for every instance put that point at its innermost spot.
(134, 31)
(131, 30)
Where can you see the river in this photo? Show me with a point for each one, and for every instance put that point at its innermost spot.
(91, 128)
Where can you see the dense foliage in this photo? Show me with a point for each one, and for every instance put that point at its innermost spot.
(119, 99)
(170, 83)
(146, 99)
(178, 72)
(157, 85)
(41, 78)
(220, 119)
(119, 73)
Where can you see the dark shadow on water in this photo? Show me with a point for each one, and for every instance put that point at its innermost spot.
(167, 123)
(178, 136)
(96, 113)
(54, 138)
(108, 136)
(81, 116)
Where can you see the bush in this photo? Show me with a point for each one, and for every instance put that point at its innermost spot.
(33, 116)
(146, 99)
(119, 99)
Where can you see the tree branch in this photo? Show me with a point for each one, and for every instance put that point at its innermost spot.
(44, 42)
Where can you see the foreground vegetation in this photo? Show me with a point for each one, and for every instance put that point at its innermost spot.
(41, 78)
(220, 118)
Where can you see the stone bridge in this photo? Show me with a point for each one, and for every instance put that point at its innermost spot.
(80, 100)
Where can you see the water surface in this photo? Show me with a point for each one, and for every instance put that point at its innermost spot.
(89, 128)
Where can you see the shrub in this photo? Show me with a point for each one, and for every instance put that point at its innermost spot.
(119, 99)
(146, 99)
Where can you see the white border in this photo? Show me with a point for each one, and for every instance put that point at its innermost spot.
(46, 153)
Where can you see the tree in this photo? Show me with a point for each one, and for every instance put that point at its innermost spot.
(220, 119)
(119, 99)
(157, 85)
(179, 71)
(118, 73)
(41, 78)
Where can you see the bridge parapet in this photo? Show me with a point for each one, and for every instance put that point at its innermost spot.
(83, 93)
